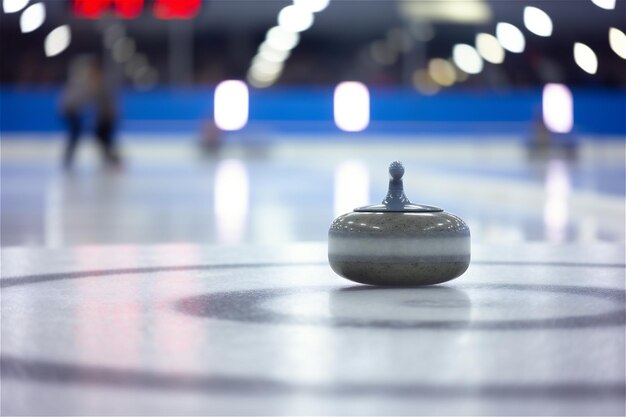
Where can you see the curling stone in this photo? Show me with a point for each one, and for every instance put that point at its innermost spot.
(398, 243)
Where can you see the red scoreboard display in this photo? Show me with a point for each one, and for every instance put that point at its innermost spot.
(131, 9)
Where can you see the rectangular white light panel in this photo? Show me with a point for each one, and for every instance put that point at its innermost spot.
(231, 105)
(558, 108)
(352, 106)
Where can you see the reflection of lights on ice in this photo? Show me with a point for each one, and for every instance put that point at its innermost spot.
(231, 200)
(53, 220)
(231, 105)
(558, 108)
(352, 186)
(352, 106)
(556, 211)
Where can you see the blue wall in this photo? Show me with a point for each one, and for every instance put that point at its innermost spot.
(597, 112)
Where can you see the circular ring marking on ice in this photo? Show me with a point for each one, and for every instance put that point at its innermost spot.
(102, 376)
(46, 371)
(252, 311)
(249, 308)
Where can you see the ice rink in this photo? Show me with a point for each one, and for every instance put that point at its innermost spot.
(195, 284)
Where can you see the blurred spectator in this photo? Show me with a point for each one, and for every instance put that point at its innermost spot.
(86, 94)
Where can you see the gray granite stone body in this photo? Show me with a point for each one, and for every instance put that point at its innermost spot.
(399, 248)
(428, 224)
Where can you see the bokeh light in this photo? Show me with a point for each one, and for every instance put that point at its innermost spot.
(442, 72)
(13, 6)
(585, 58)
(510, 37)
(489, 48)
(467, 58)
(57, 41)
(617, 41)
(352, 106)
(295, 18)
(231, 105)
(32, 18)
(537, 21)
(558, 108)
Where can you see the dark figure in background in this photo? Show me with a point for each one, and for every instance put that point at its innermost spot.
(86, 92)
(544, 144)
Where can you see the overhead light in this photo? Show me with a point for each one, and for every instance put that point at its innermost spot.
(352, 106)
(489, 48)
(231, 105)
(617, 40)
(605, 4)
(57, 41)
(281, 39)
(424, 84)
(266, 47)
(510, 37)
(313, 6)
(267, 67)
(295, 19)
(257, 83)
(273, 55)
(537, 21)
(466, 11)
(260, 79)
(558, 108)
(264, 75)
(467, 58)
(32, 17)
(585, 58)
(13, 6)
(442, 72)
(255, 73)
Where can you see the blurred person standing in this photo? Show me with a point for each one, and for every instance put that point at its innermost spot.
(86, 94)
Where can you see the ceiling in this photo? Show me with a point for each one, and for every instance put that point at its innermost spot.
(367, 18)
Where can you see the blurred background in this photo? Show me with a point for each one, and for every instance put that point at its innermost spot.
(230, 122)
